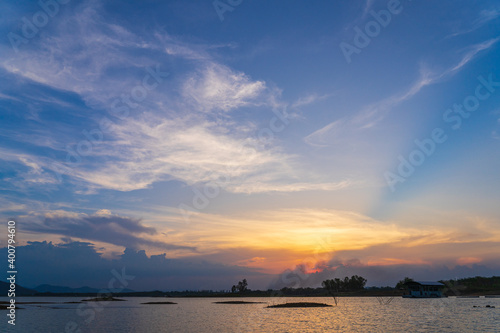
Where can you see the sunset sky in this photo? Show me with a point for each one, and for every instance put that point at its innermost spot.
(285, 142)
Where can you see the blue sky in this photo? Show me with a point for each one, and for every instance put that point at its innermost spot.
(245, 135)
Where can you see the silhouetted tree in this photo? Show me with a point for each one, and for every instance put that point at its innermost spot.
(472, 284)
(401, 284)
(240, 287)
(354, 283)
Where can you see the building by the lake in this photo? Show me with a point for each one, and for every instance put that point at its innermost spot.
(424, 289)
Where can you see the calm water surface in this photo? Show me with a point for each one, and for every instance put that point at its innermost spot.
(353, 314)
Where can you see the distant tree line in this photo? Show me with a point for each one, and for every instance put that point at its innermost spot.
(286, 291)
(474, 284)
(354, 283)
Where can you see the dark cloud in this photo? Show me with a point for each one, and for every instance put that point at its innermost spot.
(112, 229)
(78, 264)
(378, 275)
(435, 262)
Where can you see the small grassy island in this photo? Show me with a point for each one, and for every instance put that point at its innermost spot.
(300, 305)
(237, 302)
(3, 307)
(103, 299)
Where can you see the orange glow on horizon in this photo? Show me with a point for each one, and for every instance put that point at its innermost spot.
(395, 261)
(468, 261)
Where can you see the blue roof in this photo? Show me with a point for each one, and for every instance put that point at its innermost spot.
(429, 283)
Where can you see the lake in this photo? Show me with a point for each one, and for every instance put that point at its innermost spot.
(352, 314)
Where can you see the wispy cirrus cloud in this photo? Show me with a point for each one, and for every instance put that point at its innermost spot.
(165, 149)
(327, 135)
(470, 54)
(191, 152)
(172, 133)
(217, 88)
(309, 99)
(251, 186)
(370, 115)
(31, 171)
(484, 16)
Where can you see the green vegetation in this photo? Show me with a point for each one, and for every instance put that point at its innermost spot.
(353, 286)
(335, 286)
(355, 283)
(472, 286)
(401, 284)
(103, 299)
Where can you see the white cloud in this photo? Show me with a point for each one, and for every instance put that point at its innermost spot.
(79, 55)
(473, 51)
(309, 99)
(152, 149)
(256, 187)
(326, 135)
(219, 88)
(166, 136)
(30, 170)
(484, 17)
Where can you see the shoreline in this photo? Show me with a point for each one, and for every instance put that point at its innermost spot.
(277, 294)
